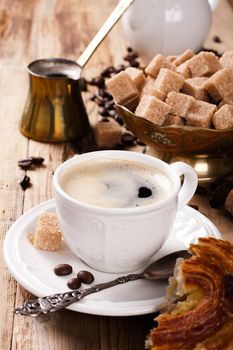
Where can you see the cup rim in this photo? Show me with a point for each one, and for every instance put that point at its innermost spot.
(124, 155)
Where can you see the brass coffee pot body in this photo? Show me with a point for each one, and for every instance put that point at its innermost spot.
(54, 110)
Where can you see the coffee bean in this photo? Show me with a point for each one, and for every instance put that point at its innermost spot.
(201, 191)
(110, 105)
(220, 194)
(100, 101)
(135, 64)
(144, 192)
(104, 112)
(74, 283)
(25, 182)
(63, 269)
(216, 39)
(85, 276)
(129, 49)
(127, 138)
(120, 68)
(106, 73)
(37, 160)
(119, 120)
(24, 164)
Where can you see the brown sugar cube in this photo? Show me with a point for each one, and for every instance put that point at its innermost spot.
(150, 89)
(180, 103)
(186, 55)
(158, 62)
(172, 119)
(220, 85)
(168, 80)
(195, 88)
(107, 133)
(184, 70)
(223, 118)
(47, 235)
(200, 114)
(204, 64)
(148, 86)
(229, 202)
(153, 109)
(158, 93)
(137, 77)
(227, 59)
(123, 90)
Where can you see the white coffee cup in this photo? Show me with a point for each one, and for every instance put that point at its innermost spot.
(119, 240)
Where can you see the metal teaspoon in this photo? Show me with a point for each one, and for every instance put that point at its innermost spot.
(160, 269)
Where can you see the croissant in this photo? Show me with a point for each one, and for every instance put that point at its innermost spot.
(203, 318)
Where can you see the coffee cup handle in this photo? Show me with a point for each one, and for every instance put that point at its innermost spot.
(189, 185)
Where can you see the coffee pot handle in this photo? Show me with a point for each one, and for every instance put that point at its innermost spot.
(190, 182)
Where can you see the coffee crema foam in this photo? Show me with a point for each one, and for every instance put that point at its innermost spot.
(115, 183)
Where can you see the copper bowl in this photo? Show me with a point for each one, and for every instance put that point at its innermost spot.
(209, 151)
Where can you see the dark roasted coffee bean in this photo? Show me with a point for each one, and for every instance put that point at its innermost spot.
(144, 192)
(216, 39)
(127, 138)
(74, 283)
(110, 105)
(85, 276)
(37, 160)
(119, 120)
(129, 49)
(63, 269)
(25, 163)
(25, 182)
(201, 191)
(135, 64)
(104, 112)
(100, 101)
(130, 57)
(106, 73)
(220, 194)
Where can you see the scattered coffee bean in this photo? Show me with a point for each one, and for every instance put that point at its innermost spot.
(74, 283)
(105, 120)
(144, 192)
(37, 160)
(25, 182)
(216, 39)
(24, 164)
(63, 269)
(119, 120)
(140, 143)
(127, 138)
(220, 194)
(106, 73)
(201, 191)
(104, 112)
(85, 277)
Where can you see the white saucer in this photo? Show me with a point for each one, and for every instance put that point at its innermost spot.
(33, 268)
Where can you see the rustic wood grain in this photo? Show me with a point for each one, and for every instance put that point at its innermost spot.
(31, 29)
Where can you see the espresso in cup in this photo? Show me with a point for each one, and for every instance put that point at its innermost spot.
(116, 183)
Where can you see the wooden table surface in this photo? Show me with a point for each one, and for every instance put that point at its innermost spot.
(32, 29)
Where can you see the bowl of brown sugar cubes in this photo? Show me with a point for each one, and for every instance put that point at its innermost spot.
(182, 107)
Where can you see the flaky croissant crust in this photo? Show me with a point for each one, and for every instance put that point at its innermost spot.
(209, 324)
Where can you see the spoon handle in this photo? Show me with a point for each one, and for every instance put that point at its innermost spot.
(107, 26)
(55, 302)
